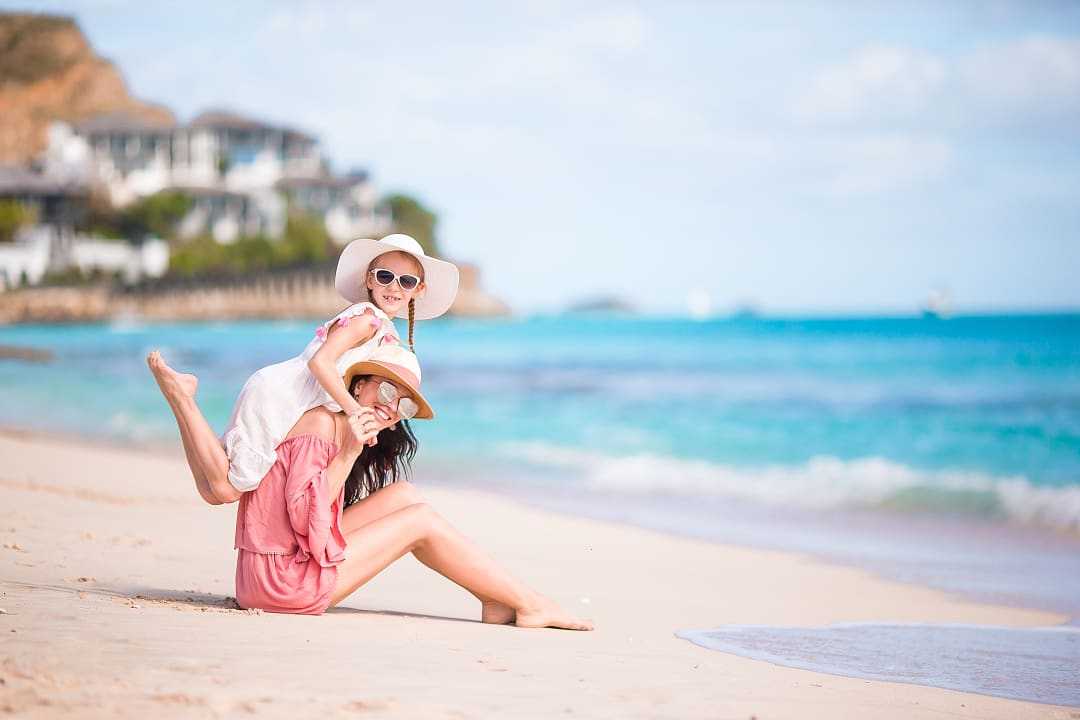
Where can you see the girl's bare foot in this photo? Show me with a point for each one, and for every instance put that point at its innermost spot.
(496, 613)
(172, 383)
(546, 613)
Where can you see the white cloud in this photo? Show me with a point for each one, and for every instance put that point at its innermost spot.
(873, 164)
(1033, 79)
(1036, 77)
(622, 30)
(884, 82)
(565, 61)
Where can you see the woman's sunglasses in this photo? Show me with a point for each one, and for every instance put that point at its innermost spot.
(406, 407)
(385, 277)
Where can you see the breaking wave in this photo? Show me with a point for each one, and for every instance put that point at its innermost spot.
(821, 483)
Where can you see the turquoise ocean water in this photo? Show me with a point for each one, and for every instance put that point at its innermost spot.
(945, 452)
(978, 416)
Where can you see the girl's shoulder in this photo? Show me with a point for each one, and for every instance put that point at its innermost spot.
(361, 308)
(344, 317)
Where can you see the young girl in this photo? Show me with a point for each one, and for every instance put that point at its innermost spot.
(384, 278)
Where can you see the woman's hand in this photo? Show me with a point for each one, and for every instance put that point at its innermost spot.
(362, 431)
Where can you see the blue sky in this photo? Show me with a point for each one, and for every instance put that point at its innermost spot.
(829, 157)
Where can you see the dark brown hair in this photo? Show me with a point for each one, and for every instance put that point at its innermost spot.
(383, 463)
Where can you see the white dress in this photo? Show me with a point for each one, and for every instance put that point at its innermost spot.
(275, 397)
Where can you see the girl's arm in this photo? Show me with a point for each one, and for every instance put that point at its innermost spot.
(224, 492)
(323, 364)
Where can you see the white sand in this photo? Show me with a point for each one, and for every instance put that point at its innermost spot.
(116, 585)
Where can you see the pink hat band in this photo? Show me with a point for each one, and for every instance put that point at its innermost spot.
(402, 372)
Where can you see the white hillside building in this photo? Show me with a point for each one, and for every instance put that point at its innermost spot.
(239, 172)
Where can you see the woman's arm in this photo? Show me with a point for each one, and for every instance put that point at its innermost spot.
(337, 472)
(323, 364)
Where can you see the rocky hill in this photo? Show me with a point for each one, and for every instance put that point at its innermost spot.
(48, 71)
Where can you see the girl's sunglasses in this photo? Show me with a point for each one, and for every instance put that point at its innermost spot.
(385, 277)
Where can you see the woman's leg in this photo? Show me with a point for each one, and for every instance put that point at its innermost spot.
(420, 530)
(206, 458)
(396, 496)
(379, 504)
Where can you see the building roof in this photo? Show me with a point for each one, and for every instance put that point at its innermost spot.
(325, 181)
(225, 119)
(197, 191)
(15, 180)
(125, 122)
(120, 122)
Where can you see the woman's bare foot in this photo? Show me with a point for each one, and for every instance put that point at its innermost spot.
(496, 613)
(171, 382)
(547, 613)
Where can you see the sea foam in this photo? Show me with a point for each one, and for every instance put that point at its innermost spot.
(1036, 664)
(821, 483)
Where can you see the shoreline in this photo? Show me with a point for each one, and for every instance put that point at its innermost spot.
(566, 506)
(279, 294)
(123, 552)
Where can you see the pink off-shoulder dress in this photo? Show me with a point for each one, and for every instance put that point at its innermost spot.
(288, 532)
(275, 397)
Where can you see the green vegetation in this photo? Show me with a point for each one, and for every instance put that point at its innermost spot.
(14, 215)
(412, 218)
(156, 215)
(305, 242)
(71, 276)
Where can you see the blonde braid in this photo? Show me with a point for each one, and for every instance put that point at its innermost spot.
(412, 323)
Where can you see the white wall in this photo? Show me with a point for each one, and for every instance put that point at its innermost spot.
(151, 259)
(29, 254)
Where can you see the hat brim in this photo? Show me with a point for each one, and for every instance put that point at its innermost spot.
(370, 367)
(440, 277)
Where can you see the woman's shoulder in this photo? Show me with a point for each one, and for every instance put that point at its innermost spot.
(318, 421)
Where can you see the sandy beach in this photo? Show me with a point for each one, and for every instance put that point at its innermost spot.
(116, 595)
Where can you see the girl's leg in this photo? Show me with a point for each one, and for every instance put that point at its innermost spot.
(420, 530)
(206, 458)
(394, 497)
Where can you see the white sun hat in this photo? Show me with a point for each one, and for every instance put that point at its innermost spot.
(440, 276)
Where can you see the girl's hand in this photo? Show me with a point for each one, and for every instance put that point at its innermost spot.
(363, 431)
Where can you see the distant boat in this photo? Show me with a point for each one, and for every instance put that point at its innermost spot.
(746, 311)
(602, 306)
(938, 305)
(699, 304)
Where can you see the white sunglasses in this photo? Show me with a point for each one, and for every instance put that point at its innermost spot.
(406, 407)
(385, 277)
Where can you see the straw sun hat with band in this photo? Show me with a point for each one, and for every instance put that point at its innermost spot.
(395, 363)
(439, 276)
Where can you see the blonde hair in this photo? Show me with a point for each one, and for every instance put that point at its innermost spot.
(412, 323)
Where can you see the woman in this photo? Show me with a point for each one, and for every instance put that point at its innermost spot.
(300, 549)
